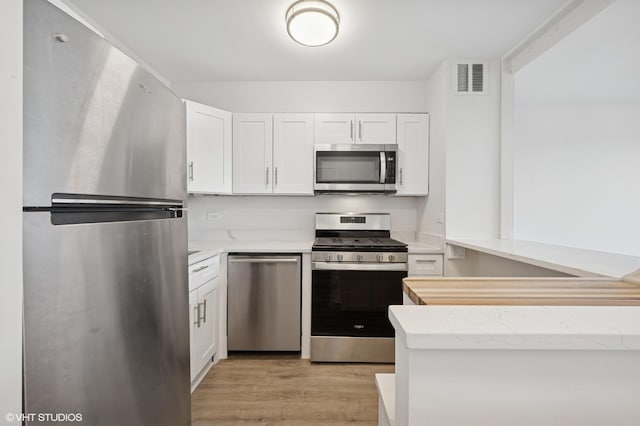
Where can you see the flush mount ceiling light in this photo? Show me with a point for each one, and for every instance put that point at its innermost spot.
(312, 22)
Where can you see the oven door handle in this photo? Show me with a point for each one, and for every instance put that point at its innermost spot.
(334, 266)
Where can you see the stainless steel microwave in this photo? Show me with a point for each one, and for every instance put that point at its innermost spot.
(355, 168)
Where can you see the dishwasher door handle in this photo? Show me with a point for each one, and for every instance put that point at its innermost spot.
(264, 260)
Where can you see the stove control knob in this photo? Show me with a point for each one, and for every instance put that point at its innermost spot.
(391, 257)
(328, 257)
(379, 257)
(339, 258)
(359, 258)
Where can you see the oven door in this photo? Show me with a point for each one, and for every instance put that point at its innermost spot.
(355, 168)
(354, 300)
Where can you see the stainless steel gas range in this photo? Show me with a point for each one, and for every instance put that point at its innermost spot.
(357, 272)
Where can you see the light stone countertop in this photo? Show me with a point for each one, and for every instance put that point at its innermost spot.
(570, 260)
(518, 327)
(207, 249)
(421, 248)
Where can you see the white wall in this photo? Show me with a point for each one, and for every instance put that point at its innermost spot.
(285, 218)
(473, 162)
(431, 210)
(577, 171)
(11, 212)
(307, 96)
(577, 137)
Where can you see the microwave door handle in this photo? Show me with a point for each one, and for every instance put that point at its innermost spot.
(383, 166)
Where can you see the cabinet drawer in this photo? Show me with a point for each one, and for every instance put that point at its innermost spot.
(425, 264)
(203, 271)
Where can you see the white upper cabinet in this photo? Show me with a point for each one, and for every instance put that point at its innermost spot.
(252, 153)
(293, 154)
(209, 147)
(273, 154)
(355, 128)
(376, 128)
(413, 154)
(334, 128)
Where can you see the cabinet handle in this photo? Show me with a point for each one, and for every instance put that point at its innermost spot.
(202, 268)
(351, 129)
(204, 317)
(360, 130)
(400, 175)
(191, 170)
(267, 175)
(196, 310)
(276, 176)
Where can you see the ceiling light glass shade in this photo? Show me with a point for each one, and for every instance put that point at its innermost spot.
(312, 22)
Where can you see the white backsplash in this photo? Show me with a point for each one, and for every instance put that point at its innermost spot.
(289, 218)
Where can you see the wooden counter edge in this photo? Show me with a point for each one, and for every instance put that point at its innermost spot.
(415, 298)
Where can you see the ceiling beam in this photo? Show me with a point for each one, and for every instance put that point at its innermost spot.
(573, 15)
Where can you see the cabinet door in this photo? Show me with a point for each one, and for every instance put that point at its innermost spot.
(208, 300)
(376, 128)
(293, 154)
(334, 128)
(209, 146)
(413, 154)
(252, 153)
(426, 265)
(193, 332)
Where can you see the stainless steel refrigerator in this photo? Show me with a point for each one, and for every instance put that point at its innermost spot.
(106, 331)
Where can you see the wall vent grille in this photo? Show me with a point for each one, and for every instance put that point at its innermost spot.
(470, 78)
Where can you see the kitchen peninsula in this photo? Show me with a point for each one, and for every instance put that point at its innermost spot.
(460, 363)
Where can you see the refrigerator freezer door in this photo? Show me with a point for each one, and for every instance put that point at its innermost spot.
(95, 122)
(106, 321)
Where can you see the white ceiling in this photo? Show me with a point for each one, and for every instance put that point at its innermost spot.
(597, 63)
(378, 39)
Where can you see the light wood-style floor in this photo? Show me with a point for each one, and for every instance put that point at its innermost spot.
(285, 390)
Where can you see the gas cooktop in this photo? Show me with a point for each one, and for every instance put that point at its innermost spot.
(355, 232)
(359, 243)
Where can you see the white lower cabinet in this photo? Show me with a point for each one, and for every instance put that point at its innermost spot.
(203, 316)
(426, 265)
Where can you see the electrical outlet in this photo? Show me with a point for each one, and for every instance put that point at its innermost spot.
(440, 218)
(213, 216)
(456, 252)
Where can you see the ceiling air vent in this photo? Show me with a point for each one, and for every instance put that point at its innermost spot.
(470, 78)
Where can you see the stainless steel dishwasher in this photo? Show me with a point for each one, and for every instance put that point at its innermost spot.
(263, 302)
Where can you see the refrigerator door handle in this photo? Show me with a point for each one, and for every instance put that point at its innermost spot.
(73, 200)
